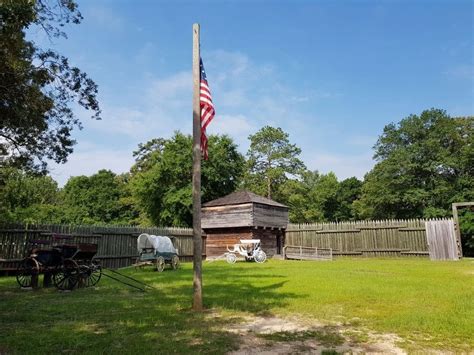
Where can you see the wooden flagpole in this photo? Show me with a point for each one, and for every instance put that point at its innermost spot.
(197, 234)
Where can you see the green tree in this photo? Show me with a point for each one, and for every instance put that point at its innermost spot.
(96, 199)
(466, 222)
(28, 198)
(313, 198)
(38, 86)
(349, 190)
(162, 176)
(129, 208)
(271, 160)
(424, 163)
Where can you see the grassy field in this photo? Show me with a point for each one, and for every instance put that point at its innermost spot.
(430, 305)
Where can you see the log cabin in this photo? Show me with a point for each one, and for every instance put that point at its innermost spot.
(243, 215)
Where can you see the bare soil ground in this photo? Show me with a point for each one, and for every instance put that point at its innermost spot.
(275, 335)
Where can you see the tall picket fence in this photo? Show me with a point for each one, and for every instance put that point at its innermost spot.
(117, 245)
(363, 238)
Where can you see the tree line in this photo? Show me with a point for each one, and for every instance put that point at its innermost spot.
(423, 164)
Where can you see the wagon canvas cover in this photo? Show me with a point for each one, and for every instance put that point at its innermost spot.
(160, 243)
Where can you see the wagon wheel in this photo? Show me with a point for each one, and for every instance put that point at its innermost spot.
(231, 258)
(67, 275)
(27, 269)
(94, 274)
(160, 264)
(175, 262)
(90, 273)
(260, 256)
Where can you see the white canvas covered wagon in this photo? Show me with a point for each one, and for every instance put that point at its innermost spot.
(157, 250)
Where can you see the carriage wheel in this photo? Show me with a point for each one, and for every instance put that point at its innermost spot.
(260, 256)
(94, 274)
(67, 276)
(231, 258)
(175, 262)
(27, 269)
(91, 273)
(160, 264)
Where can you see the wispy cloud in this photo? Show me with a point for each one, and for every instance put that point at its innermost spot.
(90, 158)
(464, 72)
(247, 96)
(343, 165)
(104, 16)
(362, 141)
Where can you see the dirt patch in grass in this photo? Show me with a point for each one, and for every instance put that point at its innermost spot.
(275, 335)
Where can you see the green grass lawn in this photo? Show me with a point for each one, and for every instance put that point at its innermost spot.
(429, 304)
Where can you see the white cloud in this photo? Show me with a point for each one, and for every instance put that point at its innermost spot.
(175, 90)
(300, 98)
(247, 96)
(146, 54)
(343, 165)
(362, 141)
(104, 16)
(90, 158)
(163, 107)
(232, 125)
(120, 120)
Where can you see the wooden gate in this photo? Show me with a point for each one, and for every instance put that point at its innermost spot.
(442, 241)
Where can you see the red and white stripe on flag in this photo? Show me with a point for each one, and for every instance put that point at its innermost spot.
(207, 110)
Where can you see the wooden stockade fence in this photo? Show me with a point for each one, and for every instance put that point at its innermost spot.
(386, 238)
(117, 245)
(442, 240)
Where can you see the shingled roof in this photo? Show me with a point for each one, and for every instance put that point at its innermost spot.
(240, 197)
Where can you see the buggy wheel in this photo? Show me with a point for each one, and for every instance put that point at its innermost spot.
(175, 262)
(231, 258)
(28, 269)
(67, 276)
(260, 256)
(92, 274)
(160, 264)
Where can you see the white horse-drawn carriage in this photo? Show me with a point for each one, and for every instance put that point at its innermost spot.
(250, 249)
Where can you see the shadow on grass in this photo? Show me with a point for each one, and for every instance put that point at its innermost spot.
(113, 318)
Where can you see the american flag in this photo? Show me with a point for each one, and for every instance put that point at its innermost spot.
(207, 109)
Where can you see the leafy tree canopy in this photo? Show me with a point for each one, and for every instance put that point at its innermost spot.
(162, 176)
(95, 199)
(38, 86)
(28, 198)
(349, 191)
(271, 160)
(424, 163)
(320, 197)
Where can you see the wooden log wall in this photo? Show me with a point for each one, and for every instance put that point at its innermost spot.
(218, 239)
(269, 216)
(117, 245)
(385, 238)
(227, 216)
(268, 239)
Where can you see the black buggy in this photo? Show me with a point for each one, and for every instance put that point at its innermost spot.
(67, 265)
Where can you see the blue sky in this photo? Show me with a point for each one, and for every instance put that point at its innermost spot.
(331, 74)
